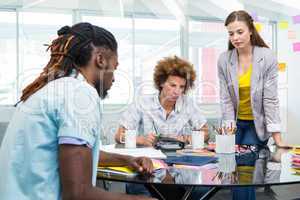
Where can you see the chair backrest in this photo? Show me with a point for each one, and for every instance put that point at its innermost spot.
(111, 115)
(6, 114)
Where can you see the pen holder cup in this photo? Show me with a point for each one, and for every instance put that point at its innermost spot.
(225, 143)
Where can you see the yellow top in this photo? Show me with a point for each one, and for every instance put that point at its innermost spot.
(245, 110)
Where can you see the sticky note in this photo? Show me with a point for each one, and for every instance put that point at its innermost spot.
(283, 25)
(296, 19)
(258, 26)
(254, 16)
(291, 35)
(282, 67)
(296, 46)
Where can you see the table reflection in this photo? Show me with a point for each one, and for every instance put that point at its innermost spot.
(249, 166)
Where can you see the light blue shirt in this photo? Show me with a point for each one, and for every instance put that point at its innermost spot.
(147, 115)
(29, 167)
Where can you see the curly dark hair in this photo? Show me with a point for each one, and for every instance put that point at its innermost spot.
(174, 66)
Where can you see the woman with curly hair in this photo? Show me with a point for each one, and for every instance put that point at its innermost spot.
(169, 112)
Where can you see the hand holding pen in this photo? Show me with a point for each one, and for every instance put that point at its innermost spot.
(150, 139)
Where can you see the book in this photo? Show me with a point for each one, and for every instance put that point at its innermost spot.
(196, 152)
(191, 160)
(125, 171)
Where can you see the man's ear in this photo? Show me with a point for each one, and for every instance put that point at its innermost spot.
(100, 61)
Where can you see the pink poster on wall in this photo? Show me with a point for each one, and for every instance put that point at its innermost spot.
(209, 81)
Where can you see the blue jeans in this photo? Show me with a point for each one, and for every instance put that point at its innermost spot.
(246, 134)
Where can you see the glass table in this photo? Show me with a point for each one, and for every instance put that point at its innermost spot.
(249, 167)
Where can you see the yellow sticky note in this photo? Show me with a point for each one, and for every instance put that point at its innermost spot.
(283, 25)
(282, 67)
(258, 26)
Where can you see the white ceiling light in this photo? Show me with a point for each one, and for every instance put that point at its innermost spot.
(175, 9)
(290, 3)
(228, 5)
(30, 3)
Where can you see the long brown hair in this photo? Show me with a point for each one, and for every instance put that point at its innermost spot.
(243, 16)
(71, 50)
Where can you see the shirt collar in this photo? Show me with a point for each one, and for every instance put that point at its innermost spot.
(81, 77)
(178, 105)
(156, 101)
(76, 74)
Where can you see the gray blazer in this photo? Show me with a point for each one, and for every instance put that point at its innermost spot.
(264, 93)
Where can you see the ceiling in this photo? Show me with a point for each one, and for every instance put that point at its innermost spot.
(213, 9)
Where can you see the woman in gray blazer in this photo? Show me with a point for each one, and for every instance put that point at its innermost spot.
(248, 83)
(248, 88)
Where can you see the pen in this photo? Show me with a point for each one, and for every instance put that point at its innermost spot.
(215, 129)
(155, 129)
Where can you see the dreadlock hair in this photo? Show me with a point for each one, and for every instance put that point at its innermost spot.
(71, 50)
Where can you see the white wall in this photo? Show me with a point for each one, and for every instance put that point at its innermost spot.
(286, 54)
(6, 113)
(293, 135)
(294, 100)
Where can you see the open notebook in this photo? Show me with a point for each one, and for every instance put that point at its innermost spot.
(149, 152)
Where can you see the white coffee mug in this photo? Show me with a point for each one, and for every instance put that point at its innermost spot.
(197, 139)
(129, 139)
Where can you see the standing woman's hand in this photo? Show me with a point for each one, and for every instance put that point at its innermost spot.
(278, 141)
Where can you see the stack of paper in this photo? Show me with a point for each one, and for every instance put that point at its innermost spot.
(159, 164)
(118, 170)
(295, 165)
(149, 152)
(196, 152)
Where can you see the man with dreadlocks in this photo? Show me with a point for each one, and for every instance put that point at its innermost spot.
(51, 146)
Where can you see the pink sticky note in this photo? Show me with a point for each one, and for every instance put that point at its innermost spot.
(296, 46)
(296, 19)
(291, 35)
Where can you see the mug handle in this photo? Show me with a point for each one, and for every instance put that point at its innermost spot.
(122, 137)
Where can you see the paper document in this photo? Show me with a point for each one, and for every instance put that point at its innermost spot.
(149, 152)
(118, 170)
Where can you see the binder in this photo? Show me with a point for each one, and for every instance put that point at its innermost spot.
(190, 160)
